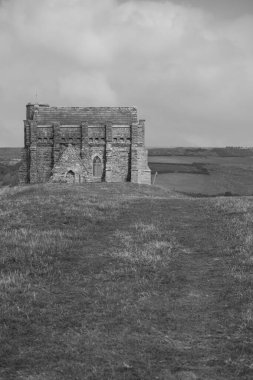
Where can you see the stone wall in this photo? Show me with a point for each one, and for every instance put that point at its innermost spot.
(121, 169)
(44, 163)
(66, 152)
(24, 169)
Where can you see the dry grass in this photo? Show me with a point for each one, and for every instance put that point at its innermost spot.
(237, 217)
(146, 244)
(122, 282)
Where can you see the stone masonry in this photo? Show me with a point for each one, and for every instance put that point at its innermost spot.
(83, 144)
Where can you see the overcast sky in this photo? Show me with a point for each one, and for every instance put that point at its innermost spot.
(187, 65)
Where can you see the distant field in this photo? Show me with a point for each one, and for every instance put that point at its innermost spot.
(198, 171)
(9, 155)
(209, 175)
(242, 162)
(198, 152)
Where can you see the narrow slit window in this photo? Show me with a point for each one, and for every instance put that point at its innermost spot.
(97, 167)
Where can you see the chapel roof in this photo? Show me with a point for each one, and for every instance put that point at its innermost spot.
(76, 115)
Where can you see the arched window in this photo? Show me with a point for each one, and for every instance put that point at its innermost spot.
(97, 167)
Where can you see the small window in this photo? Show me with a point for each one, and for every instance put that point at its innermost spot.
(115, 139)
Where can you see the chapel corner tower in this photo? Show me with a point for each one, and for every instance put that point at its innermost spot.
(83, 144)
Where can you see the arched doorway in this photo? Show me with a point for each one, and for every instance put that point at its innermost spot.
(70, 176)
(97, 167)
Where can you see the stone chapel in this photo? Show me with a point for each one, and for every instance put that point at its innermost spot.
(83, 144)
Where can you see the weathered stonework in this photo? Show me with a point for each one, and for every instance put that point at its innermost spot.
(83, 144)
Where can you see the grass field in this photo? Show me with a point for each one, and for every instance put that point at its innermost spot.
(110, 281)
(209, 175)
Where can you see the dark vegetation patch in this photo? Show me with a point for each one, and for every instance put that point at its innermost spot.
(164, 167)
(9, 174)
(200, 195)
(202, 152)
(9, 166)
(120, 281)
(233, 152)
(179, 151)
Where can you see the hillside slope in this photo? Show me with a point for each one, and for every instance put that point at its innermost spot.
(122, 281)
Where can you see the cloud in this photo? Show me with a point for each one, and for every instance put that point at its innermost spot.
(90, 88)
(189, 75)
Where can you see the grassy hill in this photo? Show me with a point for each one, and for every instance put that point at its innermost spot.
(120, 281)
